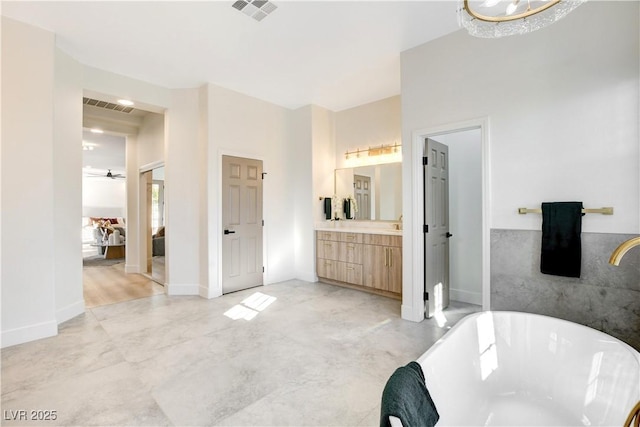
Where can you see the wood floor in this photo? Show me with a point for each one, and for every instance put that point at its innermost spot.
(110, 284)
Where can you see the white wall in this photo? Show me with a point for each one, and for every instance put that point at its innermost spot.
(151, 139)
(323, 156)
(146, 149)
(67, 170)
(304, 193)
(465, 214)
(28, 214)
(182, 190)
(104, 197)
(247, 127)
(367, 125)
(562, 105)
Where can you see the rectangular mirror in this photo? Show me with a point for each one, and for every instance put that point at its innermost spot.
(377, 190)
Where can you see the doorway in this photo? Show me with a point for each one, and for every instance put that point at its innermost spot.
(468, 213)
(152, 223)
(242, 222)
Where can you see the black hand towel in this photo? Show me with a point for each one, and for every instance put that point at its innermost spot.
(561, 247)
(346, 207)
(406, 396)
(327, 207)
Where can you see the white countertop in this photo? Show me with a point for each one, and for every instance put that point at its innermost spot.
(388, 228)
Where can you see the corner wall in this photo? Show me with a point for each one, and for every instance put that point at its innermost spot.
(562, 104)
(244, 126)
(67, 181)
(28, 215)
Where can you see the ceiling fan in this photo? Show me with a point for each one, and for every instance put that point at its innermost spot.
(109, 174)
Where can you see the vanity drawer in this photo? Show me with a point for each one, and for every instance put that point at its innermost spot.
(350, 253)
(328, 235)
(328, 269)
(350, 237)
(351, 273)
(383, 240)
(327, 249)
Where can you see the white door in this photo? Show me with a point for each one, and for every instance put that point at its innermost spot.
(362, 194)
(241, 223)
(436, 219)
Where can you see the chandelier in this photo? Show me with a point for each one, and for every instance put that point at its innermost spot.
(499, 18)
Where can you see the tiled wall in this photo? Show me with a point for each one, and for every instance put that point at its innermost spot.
(605, 297)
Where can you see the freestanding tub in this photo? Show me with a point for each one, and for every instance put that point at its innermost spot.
(518, 369)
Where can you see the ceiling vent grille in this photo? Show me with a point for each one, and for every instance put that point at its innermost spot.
(107, 105)
(257, 9)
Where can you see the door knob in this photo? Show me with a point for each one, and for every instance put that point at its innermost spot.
(229, 232)
(448, 235)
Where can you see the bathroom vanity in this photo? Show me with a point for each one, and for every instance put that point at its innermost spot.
(366, 259)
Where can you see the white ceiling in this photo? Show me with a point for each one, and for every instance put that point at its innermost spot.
(335, 54)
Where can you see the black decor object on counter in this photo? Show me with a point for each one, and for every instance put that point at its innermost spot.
(327, 207)
(346, 207)
(561, 253)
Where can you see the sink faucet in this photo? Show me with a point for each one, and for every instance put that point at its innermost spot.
(624, 247)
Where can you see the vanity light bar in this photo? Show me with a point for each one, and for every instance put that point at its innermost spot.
(375, 151)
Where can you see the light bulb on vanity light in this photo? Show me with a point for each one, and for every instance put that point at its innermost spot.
(125, 102)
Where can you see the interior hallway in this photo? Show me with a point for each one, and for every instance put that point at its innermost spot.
(311, 354)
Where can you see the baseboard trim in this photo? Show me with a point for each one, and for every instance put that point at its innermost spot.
(307, 276)
(70, 311)
(407, 313)
(29, 333)
(131, 268)
(174, 290)
(465, 296)
(208, 293)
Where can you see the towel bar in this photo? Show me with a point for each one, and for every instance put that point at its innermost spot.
(603, 211)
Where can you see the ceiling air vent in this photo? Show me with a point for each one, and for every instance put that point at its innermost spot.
(107, 105)
(257, 9)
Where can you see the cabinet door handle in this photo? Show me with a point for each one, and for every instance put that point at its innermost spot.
(386, 257)
(390, 257)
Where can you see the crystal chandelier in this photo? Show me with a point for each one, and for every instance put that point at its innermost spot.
(499, 18)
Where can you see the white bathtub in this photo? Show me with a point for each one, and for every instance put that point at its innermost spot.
(507, 368)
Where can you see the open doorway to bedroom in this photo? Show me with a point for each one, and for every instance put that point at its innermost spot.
(114, 139)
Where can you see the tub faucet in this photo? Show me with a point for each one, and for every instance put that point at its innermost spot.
(619, 252)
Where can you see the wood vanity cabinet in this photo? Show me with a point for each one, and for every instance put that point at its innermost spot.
(372, 262)
(382, 262)
(339, 256)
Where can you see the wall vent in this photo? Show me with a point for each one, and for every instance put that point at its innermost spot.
(257, 9)
(107, 105)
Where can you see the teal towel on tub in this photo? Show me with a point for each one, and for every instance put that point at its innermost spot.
(406, 396)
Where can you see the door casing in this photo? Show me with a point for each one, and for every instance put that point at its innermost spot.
(413, 241)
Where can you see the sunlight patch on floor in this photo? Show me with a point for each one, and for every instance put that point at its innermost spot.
(250, 306)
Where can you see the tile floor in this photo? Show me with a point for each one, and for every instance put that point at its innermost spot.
(318, 355)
